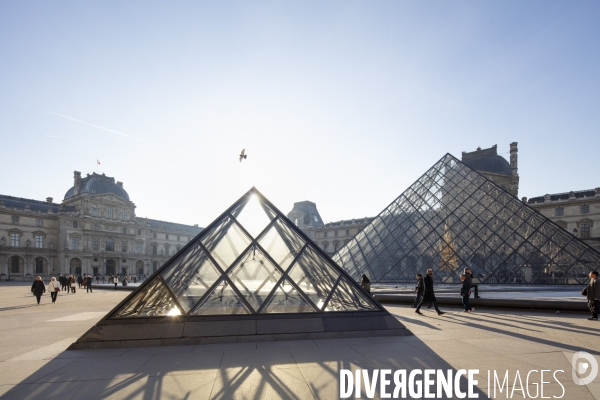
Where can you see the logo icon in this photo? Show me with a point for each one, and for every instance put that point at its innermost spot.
(581, 367)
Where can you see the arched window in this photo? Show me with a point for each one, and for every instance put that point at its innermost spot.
(109, 212)
(110, 244)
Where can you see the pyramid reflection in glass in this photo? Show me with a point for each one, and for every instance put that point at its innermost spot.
(452, 217)
(251, 260)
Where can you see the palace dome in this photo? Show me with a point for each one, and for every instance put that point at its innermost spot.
(98, 184)
(490, 163)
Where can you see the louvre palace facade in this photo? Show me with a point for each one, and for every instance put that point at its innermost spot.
(94, 230)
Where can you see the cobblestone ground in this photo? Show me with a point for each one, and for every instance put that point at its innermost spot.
(33, 363)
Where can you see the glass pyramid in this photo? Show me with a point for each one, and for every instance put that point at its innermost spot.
(251, 260)
(452, 217)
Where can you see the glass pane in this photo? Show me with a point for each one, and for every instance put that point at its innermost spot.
(190, 277)
(153, 301)
(221, 301)
(282, 244)
(347, 298)
(287, 300)
(254, 216)
(314, 276)
(255, 277)
(226, 242)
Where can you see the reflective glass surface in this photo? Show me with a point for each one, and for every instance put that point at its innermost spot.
(226, 272)
(221, 301)
(226, 242)
(153, 300)
(313, 276)
(191, 276)
(452, 218)
(282, 243)
(255, 277)
(346, 297)
(286, 299)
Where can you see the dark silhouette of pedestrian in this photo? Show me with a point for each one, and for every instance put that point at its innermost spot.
(365, 283)
(88, 284)
(115, 281)
(428, 294)
(592, 292)
(38, 288)
(465, 293)
(469, 274)
(419, 288)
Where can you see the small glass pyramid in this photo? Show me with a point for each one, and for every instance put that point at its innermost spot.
(453, 217)
(251, 260)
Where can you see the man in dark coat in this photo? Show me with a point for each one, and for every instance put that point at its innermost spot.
(79, 281)
(465, 293)
(428, 294)
(469, 273)
(38, 288)
(63, 282)
(419, 288)
(593, 295)
(88, 284)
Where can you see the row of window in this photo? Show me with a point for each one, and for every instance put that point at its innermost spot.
(15, 265)
(108, 213)
(38, 221)
(164, 251)
(335, 233)
(154, 235)
(585, 209)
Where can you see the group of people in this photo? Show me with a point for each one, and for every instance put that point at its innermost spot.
(426, 294)
(64, 283)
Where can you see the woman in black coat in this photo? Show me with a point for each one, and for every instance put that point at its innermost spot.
(38, 288)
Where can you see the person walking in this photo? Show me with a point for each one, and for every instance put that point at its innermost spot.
(592, 291)
(465, 293)
(88, 284)
(97, 279)
(54, 288)
(469, 273)
(365, 283)
(73, 283)
(38, 288)
(79, 281)
(428, 294)
(116, 281)
(419, 288)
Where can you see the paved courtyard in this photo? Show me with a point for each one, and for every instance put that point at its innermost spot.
(34, 363)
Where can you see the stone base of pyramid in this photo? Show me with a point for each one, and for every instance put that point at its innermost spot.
(178, 331)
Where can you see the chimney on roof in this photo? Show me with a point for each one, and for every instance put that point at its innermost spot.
(49, 199)
(196, 225)
(524, 199)
(514, 165)
(76, 182)
(120, 183)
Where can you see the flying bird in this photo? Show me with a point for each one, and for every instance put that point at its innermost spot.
(243, 155)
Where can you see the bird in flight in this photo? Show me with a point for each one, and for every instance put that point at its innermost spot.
(243, 155)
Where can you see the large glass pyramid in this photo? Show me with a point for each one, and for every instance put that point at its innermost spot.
(452, 217)
(251, 260)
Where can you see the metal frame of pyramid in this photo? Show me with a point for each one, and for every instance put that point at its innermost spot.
(250, 275)
(453, 217)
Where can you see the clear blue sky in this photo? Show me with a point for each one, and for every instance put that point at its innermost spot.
(342, 103)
